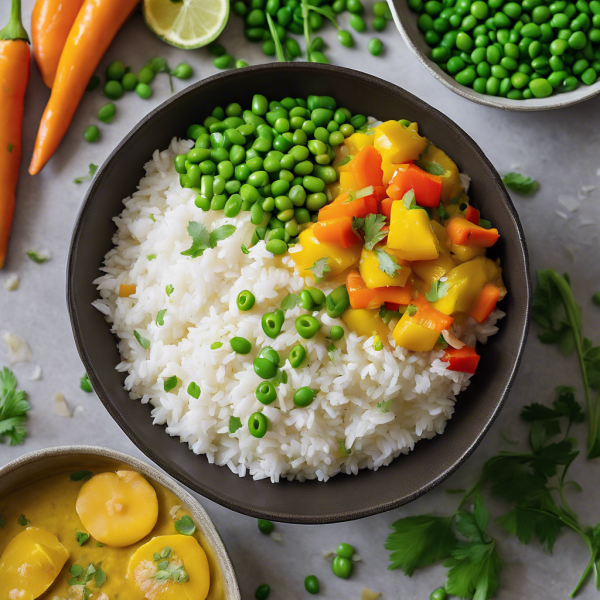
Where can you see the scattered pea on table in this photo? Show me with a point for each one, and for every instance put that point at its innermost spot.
(113, 90)
(107, 112)
(91, 134)
(311, 584)
(265, 527)
(143, 90)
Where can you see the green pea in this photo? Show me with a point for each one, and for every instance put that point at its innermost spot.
(91, 134)
(540, 88)
(345, 38)
(277, 247)
(115, 71)
(316, 201)
(202, 202)
(182, 71)
(291, 227)
(270, 354)
(300, 153)
(338, 303)
(264, 368)
(357, 23)
(143, 90)
(375, 46)
(439, 594)
(113, 90)
(302, 215)
(303, 397)
(303, 168)
(129, 81)
(283, 203)
(345, 550)
(265, 392)
(258, 425)
(107, 112)
(589, 76)
(233, 206)
(297, 355)
(342, 567)
(265, 527)
(223, 62)
(288, 162)
(218, 202)
(311, 583)
(313, 184)
(336, 333)
(145, 75)
(240, 345)
(307, 326)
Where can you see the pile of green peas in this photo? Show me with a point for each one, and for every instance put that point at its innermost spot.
(342, 565)
(120, 79)
(288, 18)
(518, 50)
(273, 160)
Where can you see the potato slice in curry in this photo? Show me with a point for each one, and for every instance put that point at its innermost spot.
(30, 563)
(118, 509)
(170, 567)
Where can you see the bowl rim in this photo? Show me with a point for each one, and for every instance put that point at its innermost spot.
(506, 103)
(196, 485)
(206, 524)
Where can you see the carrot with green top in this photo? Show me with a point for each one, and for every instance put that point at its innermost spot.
(95, 27)
(14, 76)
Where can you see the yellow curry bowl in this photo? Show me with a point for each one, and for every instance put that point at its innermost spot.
(86, 518)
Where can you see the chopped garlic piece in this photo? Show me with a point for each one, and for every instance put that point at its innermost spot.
(173, 512)
(276, 537)
(465, 181)
(18, 348)
(36, 373)
(61, 407)
(368, 594)
(12, 282)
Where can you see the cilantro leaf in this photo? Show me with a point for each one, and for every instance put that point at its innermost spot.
(99, 576)
(82, 538)
(385, 405)
(342, 445)
(23, 520)
(388, 263)
(331, 351)
(520, 183)
(234, 424)
(158, 64)
(200, 239)
(13, 409)
(92, 171)
(387, 315)
(150, 256)
(142, 341)
(185, 525)
(434, 168)
(411, 309)
(194, 390)
(372, 227)
(289, 302)
(357, 223)
(169, 289)
(38, 257)
(525, 523)
(160, 317)
(420, 541)
(409, 200)
(245, 250)
(85, 385)
(170, 383)
(219, 234)
(437, 290)
(320, 269)
(485, 223)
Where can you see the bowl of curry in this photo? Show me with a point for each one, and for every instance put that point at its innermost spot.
(91, 523)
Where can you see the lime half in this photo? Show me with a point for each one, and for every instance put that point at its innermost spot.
(186, 24)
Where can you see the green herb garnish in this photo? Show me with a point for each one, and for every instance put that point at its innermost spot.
(85, 385)
(320, 269)
(194, 390)
(160, 317)
(245, 250)
(289, 302)
(409, 200)
(23, 520)
(92, 171)
(372, 226)
(234, 424)
(36, 257)
(387, 315)
(185, 525)
(202, 240)
(331, 351)
(411, 309)
(443, 213)
(437, 290)
(388, 263)
(170, 383)
(150, 256)
(216, 345)
(385, 406)
(82, 576)
(434, 168)
(169, 289)
(342, 445)
(80, 475)
(520, 183)
(13, 409)
(82, 538)
(142, 341)
(485, 224)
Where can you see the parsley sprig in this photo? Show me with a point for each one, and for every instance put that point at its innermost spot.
(203, 240)
(320, 269)
(520, 183)
(372, 226)
(13, 409)
(556, 311)
(533, 484)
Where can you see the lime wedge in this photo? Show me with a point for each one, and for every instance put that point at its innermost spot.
(188, 23)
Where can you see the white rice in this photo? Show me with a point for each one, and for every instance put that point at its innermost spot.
(375, 404)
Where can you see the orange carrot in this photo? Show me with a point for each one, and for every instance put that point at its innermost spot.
(14, 75)
(485, 302)
(363, 297)
(366, 168)
(464, 233)
(344, 206)
(126, 290)
(51, 22)
(472, 214)
(379, 192)
(427, 187)
(336, 231)
(464, 360)
(385, 208)
(429, 317)
(95, 27)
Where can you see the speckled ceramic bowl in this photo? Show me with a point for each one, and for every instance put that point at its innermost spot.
(42, 463)
(344, 496)
(406, 21)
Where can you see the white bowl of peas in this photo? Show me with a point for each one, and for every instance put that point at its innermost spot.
(515, 55)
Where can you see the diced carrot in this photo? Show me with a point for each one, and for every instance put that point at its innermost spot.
(485, 302)
(363, 297)
(366, 167)
(472, 214)
(464, 360)
(344, 206)
(336, 231)
(429, 317)
(427, 187)
(385, 208)
(126, 290)
(379, 192)
(464, 233)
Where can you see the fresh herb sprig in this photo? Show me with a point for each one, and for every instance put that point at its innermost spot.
(556, 311)
(203, 240)
(13, 409)
(520, 183)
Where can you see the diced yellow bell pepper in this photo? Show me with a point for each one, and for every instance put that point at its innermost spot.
(398, 144)
(347, 182)
(339, 259)
(412, 336)
(466, 281)
(411, 234)
(388, 168)
(432, 270)
(466, 253)
(357, 141)
(374, 277)
(451, 187)
(364, 321)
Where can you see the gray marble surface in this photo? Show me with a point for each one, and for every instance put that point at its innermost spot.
(558, 148)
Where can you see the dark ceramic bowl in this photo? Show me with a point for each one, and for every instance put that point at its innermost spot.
(343, 497)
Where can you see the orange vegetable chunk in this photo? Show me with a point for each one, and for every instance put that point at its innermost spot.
(464, 233)
(337, 231)
(344, 206)
(366, 168)
(464, 360)
(485, 302)
(427, 187)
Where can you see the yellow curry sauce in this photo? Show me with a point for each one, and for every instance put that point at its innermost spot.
(49, 504)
